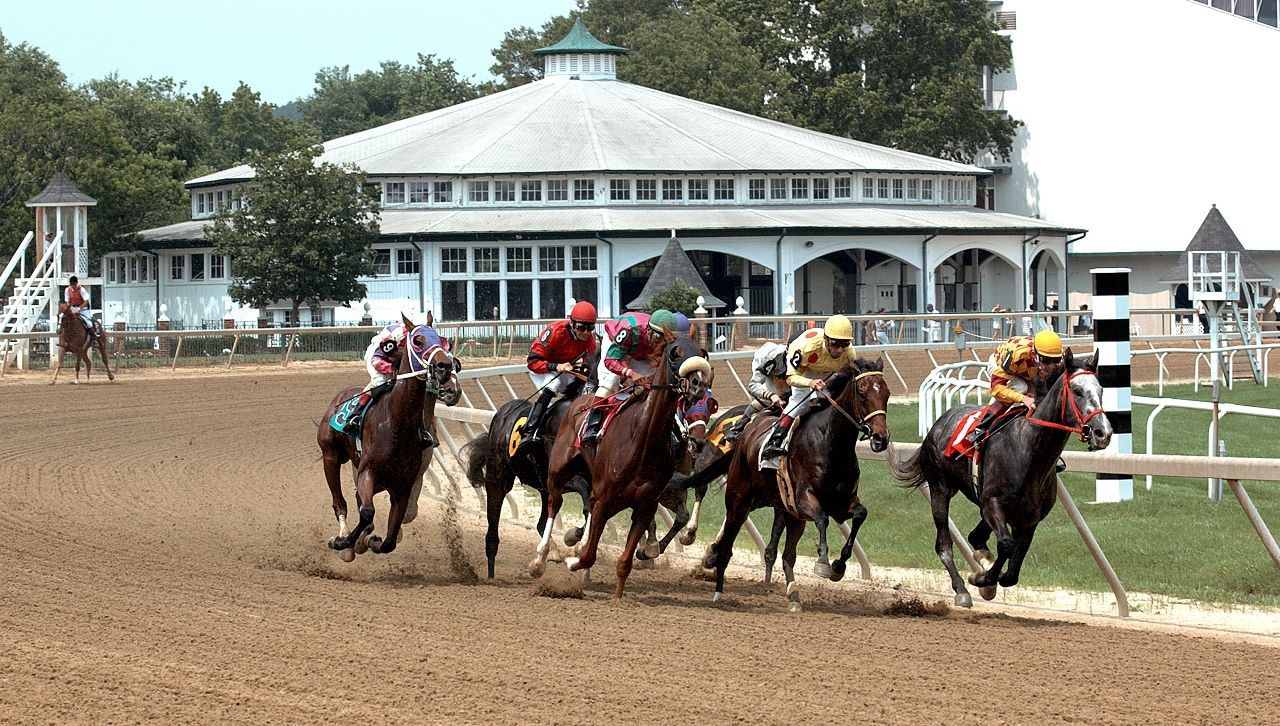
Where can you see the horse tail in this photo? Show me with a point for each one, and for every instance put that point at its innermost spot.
(704, 476)
(480, 453)
(909, 471)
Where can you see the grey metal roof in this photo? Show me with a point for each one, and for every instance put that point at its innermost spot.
(563, 125)
(672, 265)
(1215, 235)
(61, 192)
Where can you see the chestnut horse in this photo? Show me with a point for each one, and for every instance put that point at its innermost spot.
(632, 464)
(822, 472)
(1019, 481)
(75, 339)
(392, 457)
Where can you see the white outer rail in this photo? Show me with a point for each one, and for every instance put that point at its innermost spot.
(1223, 409)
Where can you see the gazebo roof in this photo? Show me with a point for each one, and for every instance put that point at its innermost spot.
(580, 40)
(673, 264)
(61, 192)
(1215, 235)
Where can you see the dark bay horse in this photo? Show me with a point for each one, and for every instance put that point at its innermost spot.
(75, 339)
(632, 464)
(1018, 469)
(392, 457)
(819, 477)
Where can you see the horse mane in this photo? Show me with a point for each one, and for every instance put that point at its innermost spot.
(1070, 365)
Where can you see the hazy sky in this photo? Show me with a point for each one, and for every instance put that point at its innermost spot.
(276, 46)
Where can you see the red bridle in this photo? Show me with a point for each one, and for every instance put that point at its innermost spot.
(1069, 399)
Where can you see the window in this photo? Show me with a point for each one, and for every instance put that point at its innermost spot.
(551, 298)
(584, 288)
(531, 191)
(393, 193)
(897, 189)
(584, 190)
(110, 264)
(419, 192)
(755, 188)
(584, 258)
(220, 204)
(177, 267)
(557, 190)
(698, 190)
(821, 188)
(217, 267)
(724, 189)
(488, 302)
(200, 203)
(408, 261)
(519, 299)
(197, 267)
(133, 269)
(478, 191)
(672, 190)
(519, 259)
(444, 192)
(799, 188)
(646, 190)
(145, 266)
(620, 189)
(844, 187)
(551, 259)
(882, 188)
(777, 188)
(453, 303)
(926, 189)
(453, 261)
(504, 191)
(487, 260)
(913, 189)
(868, 187)
(381, 262)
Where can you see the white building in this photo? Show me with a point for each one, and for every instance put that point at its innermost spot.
(508, 206)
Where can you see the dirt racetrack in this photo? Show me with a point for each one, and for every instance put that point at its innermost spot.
(167, 564)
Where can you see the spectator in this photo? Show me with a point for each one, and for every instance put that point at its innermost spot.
(1053, 315)
(997, 323)
(931, 329)
(869, 329)
(1084, 325)
(1027, 322)
(883, 328)
(1204, 319)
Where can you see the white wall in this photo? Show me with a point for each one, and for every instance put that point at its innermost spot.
(1139, 115)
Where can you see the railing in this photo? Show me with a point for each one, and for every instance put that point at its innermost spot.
(31, 293)
(1222, 410)
(1202, 354)
(18, 256)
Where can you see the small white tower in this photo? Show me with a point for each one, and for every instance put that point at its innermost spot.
(581, 55)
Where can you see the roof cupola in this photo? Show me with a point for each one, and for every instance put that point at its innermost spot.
(581, 54)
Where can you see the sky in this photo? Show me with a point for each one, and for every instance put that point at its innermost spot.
(276, 46)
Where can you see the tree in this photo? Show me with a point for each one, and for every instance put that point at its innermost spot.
(303, 234)
(681, 297)
(241, 124)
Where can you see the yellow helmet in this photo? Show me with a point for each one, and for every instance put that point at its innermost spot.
(1047, 344)
(838, 327)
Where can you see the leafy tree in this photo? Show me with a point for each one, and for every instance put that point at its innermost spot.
(681, 297)
(241, 124)
(303, 234)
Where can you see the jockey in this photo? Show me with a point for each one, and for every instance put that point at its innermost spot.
(633, 338)
(77, 296)
(553, 355)
(813, 352)
(1014, 369)
(382, 359)
(768, 385)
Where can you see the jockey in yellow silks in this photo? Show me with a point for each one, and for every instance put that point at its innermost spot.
(810, 358)
(1014, 369)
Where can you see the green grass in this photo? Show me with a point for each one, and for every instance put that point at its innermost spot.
(1172, 540)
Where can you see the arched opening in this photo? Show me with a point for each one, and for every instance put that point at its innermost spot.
(1045, 292)
(726, 276)
(852, 281)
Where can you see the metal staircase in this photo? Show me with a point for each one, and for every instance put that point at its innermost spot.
(32, 293)
(1216, 280)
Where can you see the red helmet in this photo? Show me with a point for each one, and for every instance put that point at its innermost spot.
(583, 312)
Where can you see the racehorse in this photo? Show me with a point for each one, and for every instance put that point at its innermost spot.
(631, 464)
(818, 479)
(391, 456)
(496, 458)
(1018, 477)
(75, 339)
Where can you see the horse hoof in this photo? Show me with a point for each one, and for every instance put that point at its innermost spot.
(687, 538)
(794, 607)
(987, 593)
(964, 600)
(837, 571)
(768, 575)
(536, 569)
(362, 544)
(984, 558)
(717, 596)
(822, 569)
(573, 536)
(375, 543)
(347, 555)
(330, 544)
(399, 536)
(571, 563)
(651, 551)
(709, 560)
(75, 383)
(646, 564)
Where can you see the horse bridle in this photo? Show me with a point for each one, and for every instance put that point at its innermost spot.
(864, 424)
(1069, 398)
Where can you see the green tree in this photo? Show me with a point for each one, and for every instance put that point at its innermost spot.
(304, 233)
(242, 124)
(681, 297)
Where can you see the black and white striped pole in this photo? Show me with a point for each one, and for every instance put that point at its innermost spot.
(1111, 341)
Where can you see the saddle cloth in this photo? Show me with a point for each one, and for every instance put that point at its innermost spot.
(611, 406)
(515, 439)
(719, 426)
(960, 446)
(350, 415)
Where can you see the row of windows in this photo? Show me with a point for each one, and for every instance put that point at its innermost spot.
(194, 267)
(695, 189)
(519, 299)
(205, 204)
(516, 260)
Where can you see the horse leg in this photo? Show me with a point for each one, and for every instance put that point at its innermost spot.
(721, 551)
(333, 475)
(691, 533)
(795, 528)
(597, 518)
(822, 568)
(395, 517)
(539, 563)
(940, 506)
(978, 541)
(496, 489)
(994, 514)
(102, 352)
(681, 519)
(364, 499)
(1022, 542)
(641, 522)
(57, 368)
(771, 549)
(856, 518)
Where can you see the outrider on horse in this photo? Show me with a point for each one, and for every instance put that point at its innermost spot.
(817, 481)
(75, 338)
(389, 453)
(1016, 477)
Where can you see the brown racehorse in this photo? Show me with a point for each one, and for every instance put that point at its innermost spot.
(75, 339)
(822, 474)
(632, 464)
(393, 458)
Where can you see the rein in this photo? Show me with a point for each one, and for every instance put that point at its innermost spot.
(1068, 398)
(862, 425)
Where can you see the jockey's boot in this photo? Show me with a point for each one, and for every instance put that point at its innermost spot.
(774, 448)
(595, 419)
(531, 424)
(426, 438)
(732, 433)
(980, 429)
(355, 421)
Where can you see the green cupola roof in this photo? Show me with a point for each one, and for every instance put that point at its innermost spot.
(580, 40)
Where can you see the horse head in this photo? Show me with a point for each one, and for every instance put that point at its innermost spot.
(861, 388)
(427, 356)
(1081, 400)
(685, 368)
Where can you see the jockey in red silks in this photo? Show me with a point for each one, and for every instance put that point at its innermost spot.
(77, 297)
(633, 338)
(552, 359)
